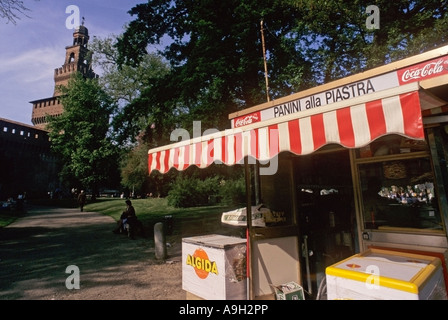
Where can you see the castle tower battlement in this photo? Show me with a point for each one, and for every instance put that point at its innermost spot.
(77, 59)
(63, 74)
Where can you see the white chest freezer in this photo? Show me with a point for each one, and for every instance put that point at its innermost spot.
(386, 275)
(214, 267)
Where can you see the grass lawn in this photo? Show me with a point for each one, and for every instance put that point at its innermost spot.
(149, 211)
(7, 217)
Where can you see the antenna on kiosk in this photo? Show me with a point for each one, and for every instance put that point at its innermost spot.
(250, 294)
(265, 63)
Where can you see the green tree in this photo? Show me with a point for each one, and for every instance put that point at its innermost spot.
(333, 34)
(80, 136)
(216, 58)
(124, 84)
(134, 168)
(216, 53)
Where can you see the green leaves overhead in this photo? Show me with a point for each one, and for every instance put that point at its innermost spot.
(215, 51)
(80, 135)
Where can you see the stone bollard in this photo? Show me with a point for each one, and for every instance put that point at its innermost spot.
(159, 241)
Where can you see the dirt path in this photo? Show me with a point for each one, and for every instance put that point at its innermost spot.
(35, 252)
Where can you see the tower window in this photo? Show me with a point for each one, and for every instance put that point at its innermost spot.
(72, 57)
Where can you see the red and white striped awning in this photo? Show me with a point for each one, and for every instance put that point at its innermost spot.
(352, 123)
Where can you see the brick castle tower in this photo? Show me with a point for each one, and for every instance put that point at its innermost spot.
(77, 59)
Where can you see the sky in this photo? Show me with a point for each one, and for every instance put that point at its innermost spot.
(32, 48)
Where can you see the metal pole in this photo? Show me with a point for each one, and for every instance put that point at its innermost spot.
(257, 186)
(265, 63)
(307, 264)
(248, 231)
(257, 182)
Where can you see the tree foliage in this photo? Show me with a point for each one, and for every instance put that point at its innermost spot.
(134, 168)
(216, 57)
(12, 10)
(80, 135)
(215, 52)
(124, 84)
(333, 34)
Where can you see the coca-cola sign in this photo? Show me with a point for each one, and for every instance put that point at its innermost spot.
(247, 119)
(425, 70)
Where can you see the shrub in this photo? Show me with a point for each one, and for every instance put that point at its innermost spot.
(233, 192)
(190, 192)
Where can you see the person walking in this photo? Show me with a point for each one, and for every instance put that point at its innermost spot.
(82, 200)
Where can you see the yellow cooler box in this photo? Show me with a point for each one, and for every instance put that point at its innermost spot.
(386, 275)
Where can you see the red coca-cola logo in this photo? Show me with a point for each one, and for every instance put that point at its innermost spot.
(247, 119)
(423, 70)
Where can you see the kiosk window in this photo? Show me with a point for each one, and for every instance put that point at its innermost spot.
(399, 193)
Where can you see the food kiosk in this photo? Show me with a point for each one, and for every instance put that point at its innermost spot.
(355, 164)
